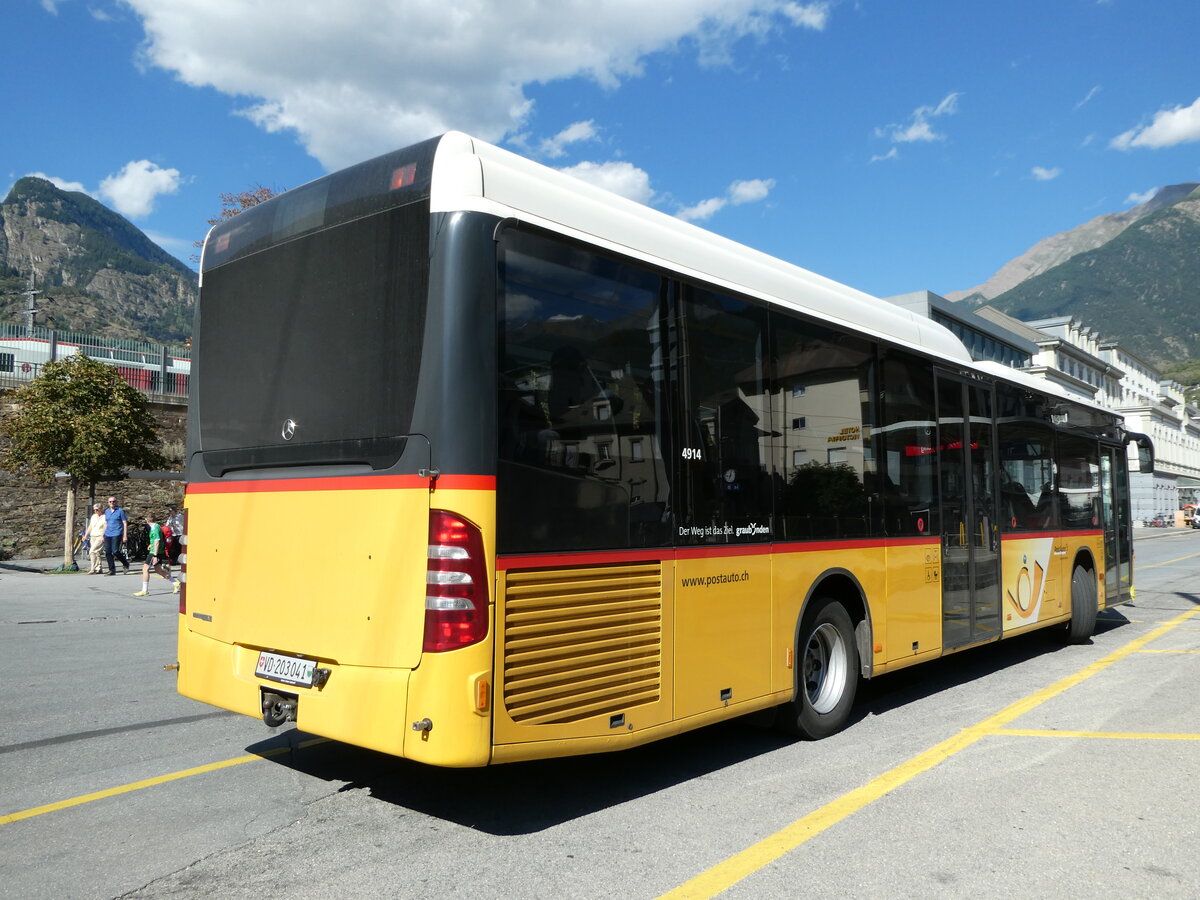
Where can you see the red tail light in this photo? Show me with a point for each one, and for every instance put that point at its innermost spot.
(456, 591)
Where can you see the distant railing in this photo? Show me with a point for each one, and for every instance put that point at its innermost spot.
(158, 370)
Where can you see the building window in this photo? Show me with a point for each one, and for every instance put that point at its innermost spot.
(799, 422)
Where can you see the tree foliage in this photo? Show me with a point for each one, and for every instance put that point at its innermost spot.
(80, 417)
(1187, 373)
(234, 203)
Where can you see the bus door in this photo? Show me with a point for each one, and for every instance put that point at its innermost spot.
(1118, 551)
(966, 453)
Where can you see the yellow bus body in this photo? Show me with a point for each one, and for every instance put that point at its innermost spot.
(585, 652)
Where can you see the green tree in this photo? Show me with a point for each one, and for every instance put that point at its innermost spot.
(79, 417)
(1187, 373)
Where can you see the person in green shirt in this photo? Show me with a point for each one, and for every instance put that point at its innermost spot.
(156, 558)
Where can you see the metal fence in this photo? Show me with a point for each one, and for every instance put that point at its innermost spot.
(158, 370)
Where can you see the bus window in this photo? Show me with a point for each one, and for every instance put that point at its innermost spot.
(907, 435)
(825, 470)
(1079, 482)
(581, 462)
(1026, 476)
(725, 493)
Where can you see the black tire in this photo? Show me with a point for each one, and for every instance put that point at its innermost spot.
(1083, 606)
(826, 673)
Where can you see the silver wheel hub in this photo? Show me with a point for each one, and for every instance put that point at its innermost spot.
(825, 669)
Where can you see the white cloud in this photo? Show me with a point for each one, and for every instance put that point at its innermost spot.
(1042, 174)
(61, 183)
(1090, 95)
(750, 191)
(1169, 127)
(133, 191)
(737, 194)
(808, 15)
(1136, 199)
(359, 77)
(703, 210)
(918, 128)
(621, 178)
(51, 6)
(881, 157)
(579, 131)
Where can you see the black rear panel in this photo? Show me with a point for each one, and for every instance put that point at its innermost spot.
(310, 350)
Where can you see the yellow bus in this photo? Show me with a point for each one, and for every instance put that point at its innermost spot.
(487, 464)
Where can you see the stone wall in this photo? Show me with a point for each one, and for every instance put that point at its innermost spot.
(31, 514)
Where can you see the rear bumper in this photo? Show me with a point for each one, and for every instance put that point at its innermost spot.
(363, 706)
(359, 705)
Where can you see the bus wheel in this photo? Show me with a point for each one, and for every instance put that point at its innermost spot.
(827, 672)
(1083, 606)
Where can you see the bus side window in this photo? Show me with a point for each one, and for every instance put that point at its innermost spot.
(580, 461)
(1027, 468)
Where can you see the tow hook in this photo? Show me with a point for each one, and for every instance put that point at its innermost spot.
(278, 708)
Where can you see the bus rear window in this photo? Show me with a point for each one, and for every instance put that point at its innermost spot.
(309, 351)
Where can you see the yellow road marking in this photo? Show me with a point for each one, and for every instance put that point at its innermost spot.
(1168, 562)
(728, 873)
(1169, 651)
(151, 782)
(1109, 735)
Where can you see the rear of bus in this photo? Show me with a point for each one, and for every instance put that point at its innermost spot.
(340, 501)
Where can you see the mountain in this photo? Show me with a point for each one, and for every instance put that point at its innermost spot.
(96, 271)
(1052, 251)
(1140, 287)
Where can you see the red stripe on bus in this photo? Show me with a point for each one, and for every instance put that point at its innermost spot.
(465, 483)
(285, 485)
(598, 557)
(1024, 535)
(606, 557)
(855, 544)
(345, 483)
(722, 550)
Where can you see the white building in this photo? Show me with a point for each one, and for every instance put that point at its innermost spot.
(1073, 356)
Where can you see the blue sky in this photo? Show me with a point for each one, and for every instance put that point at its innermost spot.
(893, 145)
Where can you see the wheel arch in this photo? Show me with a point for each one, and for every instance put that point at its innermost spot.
(1085, 559)
(843, 586)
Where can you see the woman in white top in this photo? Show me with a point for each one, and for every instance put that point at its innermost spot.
(95, 538)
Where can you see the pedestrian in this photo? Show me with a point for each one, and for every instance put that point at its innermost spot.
(156, 558)
(175, 523)
(116, 533)
(93, 539)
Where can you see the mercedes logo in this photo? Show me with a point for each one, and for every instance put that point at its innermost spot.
(289, 429)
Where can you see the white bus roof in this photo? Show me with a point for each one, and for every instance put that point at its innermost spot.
(470, 174)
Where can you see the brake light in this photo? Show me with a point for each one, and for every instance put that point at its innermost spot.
(456, 592)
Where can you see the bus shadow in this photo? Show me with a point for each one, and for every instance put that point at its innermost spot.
(523, 798)
(528, 797)
(893, 691)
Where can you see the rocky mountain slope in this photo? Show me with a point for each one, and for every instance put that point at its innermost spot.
(96, 271)
(1140, 287)
(1056, 249)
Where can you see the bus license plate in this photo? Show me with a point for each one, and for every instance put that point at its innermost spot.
(285, 669)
